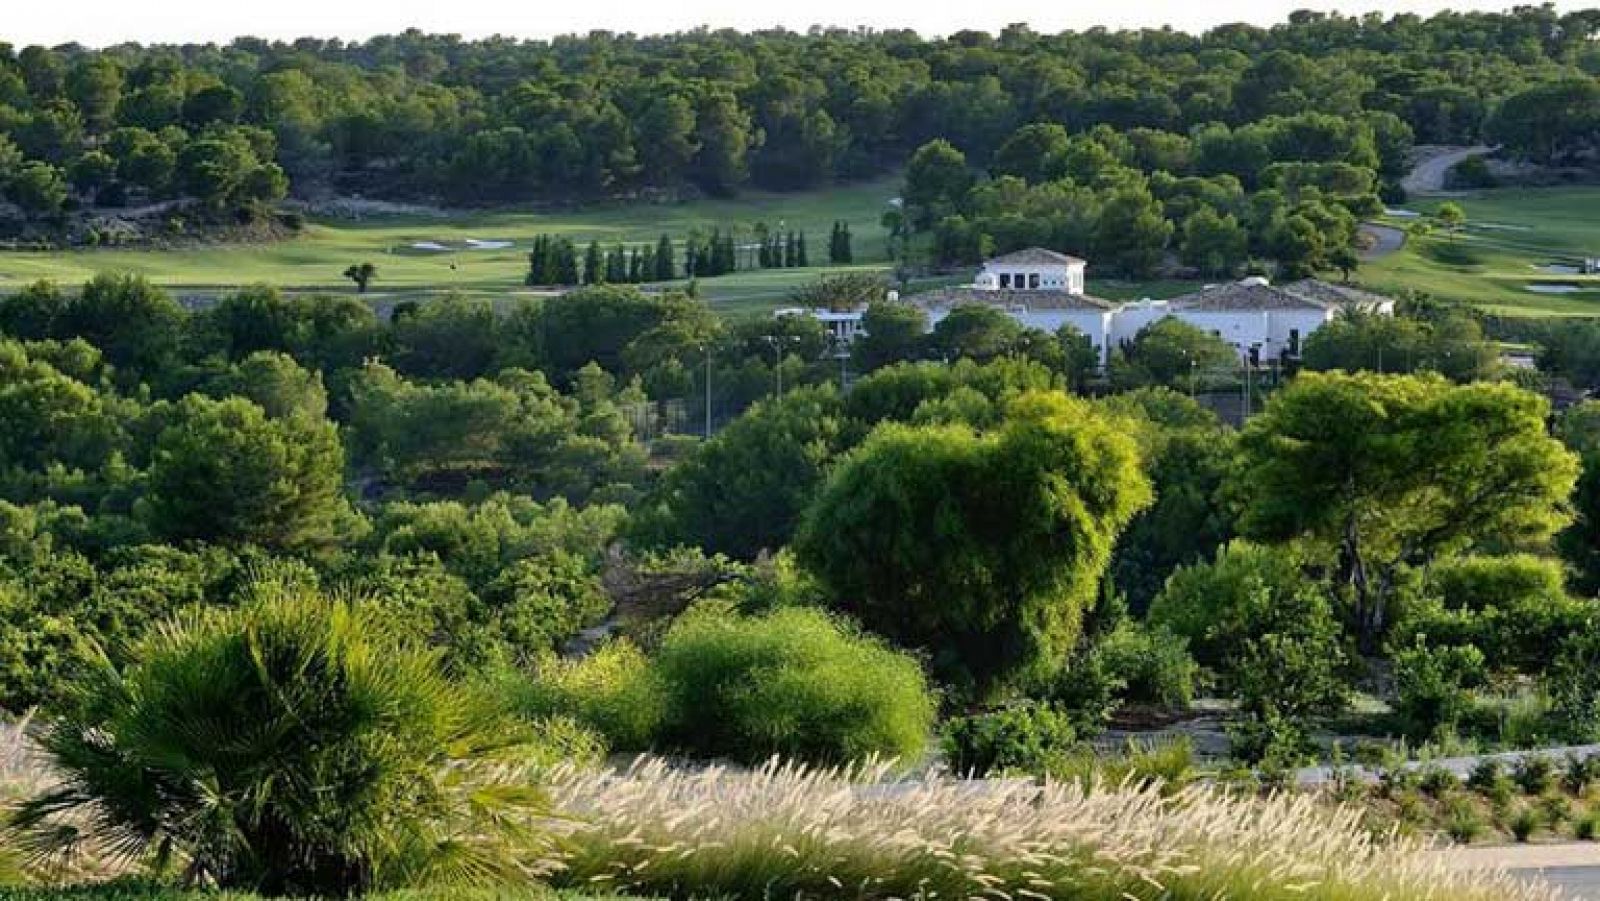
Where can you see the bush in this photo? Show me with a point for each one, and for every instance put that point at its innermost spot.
(291, 746)
(794, 682)
(1152, 664)
(1432, 683)
(1573, 684)
(1581, 772)
(1462, 821)
(1524, 823)
(1535, 774)
(1027, 738)
(1436, 781)
(613, 691)
(1586, 827)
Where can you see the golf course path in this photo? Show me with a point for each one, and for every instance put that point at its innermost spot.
(1427, 176)
(1572, 866)
(1386, 239)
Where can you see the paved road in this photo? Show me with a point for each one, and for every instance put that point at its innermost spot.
(1572, 866)
(1427, 177)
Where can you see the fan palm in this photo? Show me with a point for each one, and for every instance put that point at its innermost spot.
(292, 746)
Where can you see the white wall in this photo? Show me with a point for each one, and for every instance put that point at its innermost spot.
(1051, 277)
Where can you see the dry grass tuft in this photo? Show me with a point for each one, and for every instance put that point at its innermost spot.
(784, 830)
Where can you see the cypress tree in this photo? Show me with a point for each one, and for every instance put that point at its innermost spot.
(847, 253)
(800, 251)
(617, 265)
(730, 259)
(713, 265)
(594, 272)
(666, 270)
(647, 264)
(539, 262)
(635, 276)
(566, 262)
(833, 243)
(789, 255)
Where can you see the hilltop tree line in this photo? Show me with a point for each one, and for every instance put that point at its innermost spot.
(420, 116)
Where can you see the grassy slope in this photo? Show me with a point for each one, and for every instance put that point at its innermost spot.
(317, 259)
(1491, 266)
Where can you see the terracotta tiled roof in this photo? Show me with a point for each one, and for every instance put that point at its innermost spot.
(1336, 294)
(1033, 300)
(1035, 256)
(1248, 296)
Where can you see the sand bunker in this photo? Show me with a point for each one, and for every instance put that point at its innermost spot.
(1558, 269)
(1401, 214)
(475, 244)
(434, 246)
(1553, 288)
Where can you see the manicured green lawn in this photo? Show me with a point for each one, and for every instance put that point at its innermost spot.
(1491, 263)
(317, 259)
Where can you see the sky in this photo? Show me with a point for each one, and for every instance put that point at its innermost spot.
(102, 22)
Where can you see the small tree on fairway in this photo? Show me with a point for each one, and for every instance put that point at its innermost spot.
(362, 274)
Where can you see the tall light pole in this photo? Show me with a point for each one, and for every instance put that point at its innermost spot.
(778, 342)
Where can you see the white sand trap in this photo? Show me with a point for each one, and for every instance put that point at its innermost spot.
(1499, 227)
(1401, 214)
(1558, 269)
(475, 244)
(1553, 289)
(428, 245)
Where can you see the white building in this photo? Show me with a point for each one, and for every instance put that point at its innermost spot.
(1045, 290)
(1040, 288)
(842, 325)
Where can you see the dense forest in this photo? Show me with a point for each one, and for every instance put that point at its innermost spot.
(416, 116)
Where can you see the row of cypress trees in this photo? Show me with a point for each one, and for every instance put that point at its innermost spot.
(555, 260)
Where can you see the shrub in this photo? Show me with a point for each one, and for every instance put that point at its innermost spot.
(794, 682)
(1535, 774)
(1555, 809)
(1580, 773)
(1489, 779)
(613, 691)
(1436, 781)
(1586, 827)
(1027, 738)
(1573, 684)
(1524, 823)
(1462, 821)
(1152, 664)
(290, 746)
(1432, 683)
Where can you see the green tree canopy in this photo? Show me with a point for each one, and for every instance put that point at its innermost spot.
(1382, 471)
(981, 549)
(225, 472)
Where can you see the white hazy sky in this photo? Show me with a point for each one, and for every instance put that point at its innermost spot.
(101, 22)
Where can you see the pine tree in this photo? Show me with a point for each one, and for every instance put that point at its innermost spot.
(800, 251)
(666, 270)
(594, 272)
